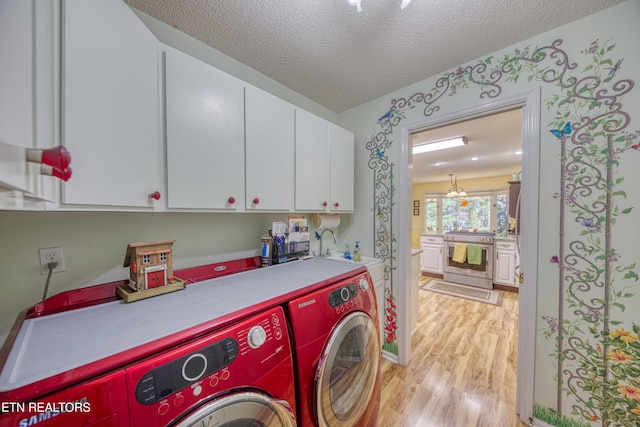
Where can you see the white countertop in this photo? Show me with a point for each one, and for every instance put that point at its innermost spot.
(50, 345)
(509, 238)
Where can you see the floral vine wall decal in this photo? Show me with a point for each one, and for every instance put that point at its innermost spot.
(595, 354)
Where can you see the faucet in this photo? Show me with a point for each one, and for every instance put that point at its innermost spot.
(335, 242)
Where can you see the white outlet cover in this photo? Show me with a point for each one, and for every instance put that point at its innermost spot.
(51, 254)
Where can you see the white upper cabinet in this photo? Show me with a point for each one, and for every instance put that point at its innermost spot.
(324, 165)
(341, 150)
(27, 99)
(269, 134)
(205, 135)
(312, 162)
(111, 106)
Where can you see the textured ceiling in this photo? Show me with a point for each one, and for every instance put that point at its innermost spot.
(341, 58)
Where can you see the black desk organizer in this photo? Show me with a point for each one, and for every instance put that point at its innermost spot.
(285, 252)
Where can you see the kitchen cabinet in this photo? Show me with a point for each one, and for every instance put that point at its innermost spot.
(28, 75)
(111, 114)
(505, 265)
(324, 166)
(431, 259)
(312, 162)
(269, 152)
(341, 169)
(205, 135)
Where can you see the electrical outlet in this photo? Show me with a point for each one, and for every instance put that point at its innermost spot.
(48, 255)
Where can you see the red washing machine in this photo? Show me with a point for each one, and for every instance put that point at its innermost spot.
(225, 378)
(337, 353)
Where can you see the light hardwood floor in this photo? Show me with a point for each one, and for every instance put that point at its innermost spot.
(462, 371)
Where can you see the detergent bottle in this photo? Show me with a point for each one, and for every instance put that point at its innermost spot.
(356, 252)
(347, 251)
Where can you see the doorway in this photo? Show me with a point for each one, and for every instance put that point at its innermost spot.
(530, 102)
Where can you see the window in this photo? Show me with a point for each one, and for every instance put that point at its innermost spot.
(163, 256)
(466, 213)
(146, 259)
(431, 211)
(481, 212)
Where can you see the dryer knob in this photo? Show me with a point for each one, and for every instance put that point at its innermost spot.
(256, 337)
(364, 285)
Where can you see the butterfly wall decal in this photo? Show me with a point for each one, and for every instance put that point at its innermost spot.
(615, 68)
(559, 133)
(379, 152)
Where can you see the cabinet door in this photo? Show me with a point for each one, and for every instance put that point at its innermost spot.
(341, 150)
(27, 86)
(504, 268)
(269, 151)
(205, 135)
(312, 162)
(431, 259)
(111, 109)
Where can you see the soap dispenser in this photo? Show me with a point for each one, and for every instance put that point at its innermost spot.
(347, 251)
(356, 252)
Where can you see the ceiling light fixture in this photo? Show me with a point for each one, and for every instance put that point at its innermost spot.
(455, 191)
(358, 6)
(439, 145)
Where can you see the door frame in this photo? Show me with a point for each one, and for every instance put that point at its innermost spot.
(530, 102)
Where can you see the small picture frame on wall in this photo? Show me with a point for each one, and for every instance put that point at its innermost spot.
(416, 204)
(416, 211)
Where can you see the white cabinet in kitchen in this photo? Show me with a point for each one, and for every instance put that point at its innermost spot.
(324, 166)
(504, 268)
(28, 48)
(312, 162)
(431, 259)
(111, 115)
(205, 135)
(269, 152)
(341, 151)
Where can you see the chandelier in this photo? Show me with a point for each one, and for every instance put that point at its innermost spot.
(455, 191)
(356, 3)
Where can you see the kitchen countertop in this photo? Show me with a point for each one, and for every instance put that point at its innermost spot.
(55, 344)
(509, 238)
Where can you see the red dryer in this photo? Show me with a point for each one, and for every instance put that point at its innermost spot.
(337, 354)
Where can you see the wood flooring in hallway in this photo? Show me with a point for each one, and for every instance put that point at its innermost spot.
(463, 367)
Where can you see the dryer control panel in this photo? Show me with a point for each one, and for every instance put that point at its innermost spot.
(342, 295)
(253, 352)
(176, 375)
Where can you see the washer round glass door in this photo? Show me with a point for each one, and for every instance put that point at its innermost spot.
(246, 409)
(347, 372)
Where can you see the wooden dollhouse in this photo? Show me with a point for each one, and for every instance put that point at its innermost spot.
(150, 270)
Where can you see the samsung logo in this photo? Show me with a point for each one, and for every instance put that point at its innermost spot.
(220, 268)
(306, 303)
